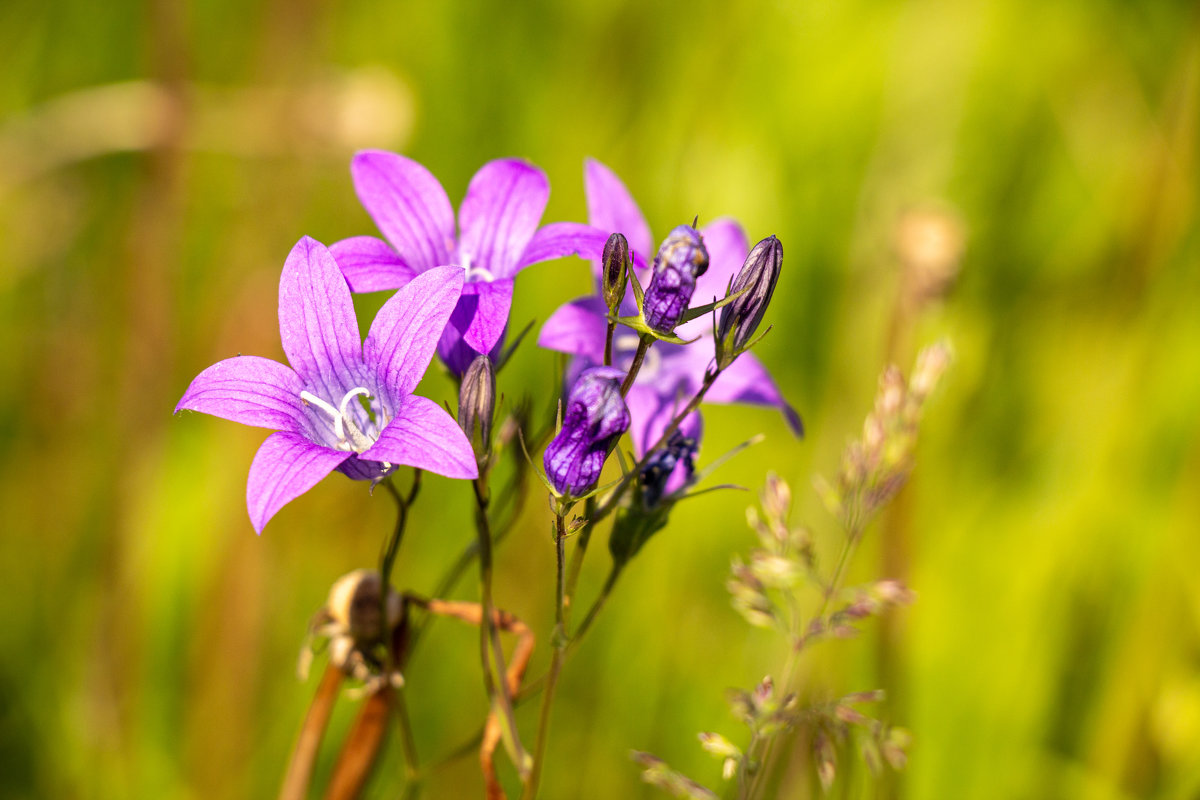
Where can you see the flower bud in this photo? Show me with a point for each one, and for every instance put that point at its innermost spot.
(616, 271)
(681, 259)
(477, 405)
(758, 276)
(594, 418)
(661, 465)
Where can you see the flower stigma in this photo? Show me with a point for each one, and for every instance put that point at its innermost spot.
(349, 436)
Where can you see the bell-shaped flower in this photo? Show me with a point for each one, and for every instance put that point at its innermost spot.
(343, 404)
(671, 374)
(593, 420)
(497, 235)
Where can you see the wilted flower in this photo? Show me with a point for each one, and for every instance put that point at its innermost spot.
(740, 319)
(344, 404)
(680, 261)
(497, 237)
(594, 418)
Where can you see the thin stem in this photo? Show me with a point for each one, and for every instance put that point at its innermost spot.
(608, 343)
(580, 551)
(489, 635)
(412, 761)
(556, 660)
(643, 345)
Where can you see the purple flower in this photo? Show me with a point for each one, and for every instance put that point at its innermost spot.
(497, 236)
(680, 261)
(344, 403)
(595, 416)
(671, 374)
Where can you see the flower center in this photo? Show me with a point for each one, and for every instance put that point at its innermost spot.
(475, 274)
(349, 435)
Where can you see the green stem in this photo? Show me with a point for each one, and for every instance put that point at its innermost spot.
(489, 635)
(597, 604)
(643, 345)
(608, 343)
(556, 660)
(576, 567)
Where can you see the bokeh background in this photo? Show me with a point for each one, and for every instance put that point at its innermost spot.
(158, 160)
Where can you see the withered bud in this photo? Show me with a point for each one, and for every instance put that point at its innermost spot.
(353, 605)
(616, 261)
(740, 319)
(477, 405)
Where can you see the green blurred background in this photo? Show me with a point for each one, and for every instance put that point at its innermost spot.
(158, 160)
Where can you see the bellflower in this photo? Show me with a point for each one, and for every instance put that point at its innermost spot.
(497, 236)
(595, 417)
(671, 374)
(343, 404)
(681, 260)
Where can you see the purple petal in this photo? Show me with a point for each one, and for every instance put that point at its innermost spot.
(500, 214)
(611, 209)
(423, 435)
(370, 264)
(561, 239)
(406, 330)
(316, 320)
(488, 313)
(408, 206)
(578, 327)
(746, 380)
(285, 467)
(250, 390)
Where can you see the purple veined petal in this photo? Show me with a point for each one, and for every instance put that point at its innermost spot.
(457, 355)
(370, 264)
(408, 206)
(423, 435)
(406, 330)
(611, 208)
(578, 327)
(316, 320)
(489, 319)
(250, 390)
(561, 239)
(499, 216)
(286, 466)
(727, 249)
(746, 380)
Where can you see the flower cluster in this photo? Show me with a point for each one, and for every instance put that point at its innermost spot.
(345, 404)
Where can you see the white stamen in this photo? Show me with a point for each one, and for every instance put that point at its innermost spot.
(339, 415)
(474, 273)
(350, 395)
(312, 399)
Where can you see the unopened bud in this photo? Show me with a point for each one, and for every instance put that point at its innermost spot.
(681, 259)
(594, 419)
(477, 405)
(615, 271)
(757, 277)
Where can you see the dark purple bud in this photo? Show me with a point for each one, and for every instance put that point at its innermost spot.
(595, 417)
(681, 259)
(679, 449)
(616, 271)
(477, 405)
(740, 319)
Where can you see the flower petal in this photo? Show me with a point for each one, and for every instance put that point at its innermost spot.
(370, 264)
(316, 320)
(578, 327)
(500, 214)
(746, 380)
(250, 390)
(561, 239)
(408, 206)
(423, 435)
(487, 313)
(652, 411)
(611, 209)
(406, 330)
(285, 467)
